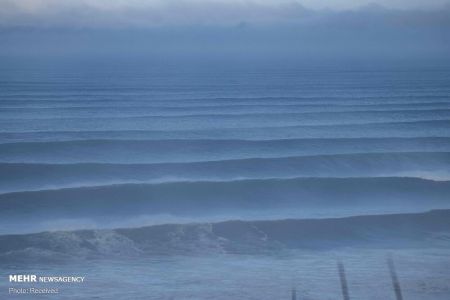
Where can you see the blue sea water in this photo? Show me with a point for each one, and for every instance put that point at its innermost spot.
(94, 146)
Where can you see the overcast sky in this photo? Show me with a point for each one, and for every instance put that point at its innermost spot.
(142, 13)
(309, 28)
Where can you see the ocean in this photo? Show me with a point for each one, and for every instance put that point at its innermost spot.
(225, 182)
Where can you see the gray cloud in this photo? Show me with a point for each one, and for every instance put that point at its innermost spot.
(139, 13)
(148, 13)
(219, 28)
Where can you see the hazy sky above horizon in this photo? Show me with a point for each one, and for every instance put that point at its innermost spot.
(252, 28)
(144, 13)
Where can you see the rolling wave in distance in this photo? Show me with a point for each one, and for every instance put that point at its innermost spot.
(35, 176)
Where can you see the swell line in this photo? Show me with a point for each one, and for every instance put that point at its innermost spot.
(23, 176)
(153, 151)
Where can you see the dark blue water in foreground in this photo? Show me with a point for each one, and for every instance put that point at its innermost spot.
(109, 146)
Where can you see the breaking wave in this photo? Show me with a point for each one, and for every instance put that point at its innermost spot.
(238, 197)
(430, 229)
